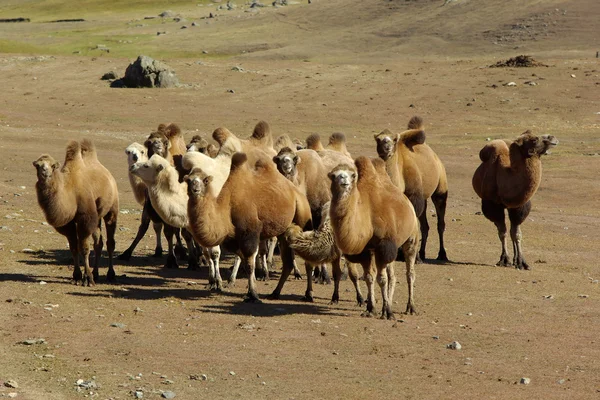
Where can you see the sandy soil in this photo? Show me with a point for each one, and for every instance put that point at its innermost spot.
(178, 336)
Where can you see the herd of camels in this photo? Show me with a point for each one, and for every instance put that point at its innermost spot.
(314, 201)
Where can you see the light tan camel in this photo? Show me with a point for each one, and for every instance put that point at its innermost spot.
(201, 145)
(415, 168)
(75, 199)
(370, 216)
(507, 178)
(255, 203)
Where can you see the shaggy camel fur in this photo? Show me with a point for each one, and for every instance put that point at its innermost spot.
(261, 138)
(169, 198)
(75, 199)
(285, 141)
(331, 158)
(415, 168)
(138, 153)
(167, 141)
(372, 217)
(199, 144)
(255, 203)
(507, 178)
(318, 247)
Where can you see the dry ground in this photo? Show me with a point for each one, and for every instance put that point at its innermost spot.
(355, 67)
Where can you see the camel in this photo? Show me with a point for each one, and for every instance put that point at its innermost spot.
(255, 203)
(331, 158)
(261, 138)
(199, 144)
(318, 247)
(507, 178)
(136, 153)
(415, 168)
(370, 216)
(169, 198)
(337, 142)
(285, 141)
(167, 141)
(75, 199)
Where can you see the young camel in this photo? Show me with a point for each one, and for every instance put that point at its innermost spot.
(255, 203)
(415, 168)
(138, 153)
(507, 178)
(370, 216)
(169, 198)
(75, 199)
(167, 141)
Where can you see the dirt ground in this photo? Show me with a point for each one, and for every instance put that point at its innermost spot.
(173, 335)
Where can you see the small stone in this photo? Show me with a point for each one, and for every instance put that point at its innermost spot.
(11, 384)
(28, 251)
(118, 325)
(168, 395)
(183, 27)
(231, 373)
(435, 337)
(573, 76)
(560, 381)
(30, 342)
(203, 377)
(454, 346)
(583, 296)
(43, 283)
(168, 382)
(230, 91)
(194, 23)
(236, 68)
(138, 394)
(12, 395)
(109, 76)
(525, 381)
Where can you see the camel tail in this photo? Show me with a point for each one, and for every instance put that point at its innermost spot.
(416, 122)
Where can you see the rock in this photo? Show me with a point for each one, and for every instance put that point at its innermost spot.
(147, 72)
(510, 84)
(204, 377)
(30, 342)
(168, 395)
(183, 27)
(236, 68)
(138, 394)
(454, 346)
(230, 91)
(560, 381)
(573, 76)
(194, 23)
(231, 373)
(118, 325)
(525, 381)
(11, 384)
(12, 395)
(86, 384)
(531, 83)
(167, 14)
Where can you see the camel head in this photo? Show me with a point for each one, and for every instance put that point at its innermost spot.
(157, 143)
(286, 161)
(530, 145)
(198, 183)
(149, 170)
(343, 179)
(45, 166)
(135, 153)
(199, 144)
(386, 144)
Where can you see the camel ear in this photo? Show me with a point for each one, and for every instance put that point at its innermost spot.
(207, 180)
(159, 167)
(331, 175)
(375, 136)
(55, 166)
(297, 160)
(147, 143)
(275, 159)
(186, 178)
(396, 138)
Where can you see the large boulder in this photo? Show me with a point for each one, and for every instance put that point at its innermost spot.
(147, 72)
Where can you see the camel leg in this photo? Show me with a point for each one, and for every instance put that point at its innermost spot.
(262, 259)
(214, 275)
(517, 216)
(308, 295)
(324, 277)
(439, 201)
(424, 232)
(382, 280)
(110, 222)
(271, 244)
(158, 250)
(368, 276)
(171, 258)
(98, 244)
(353, 273)
(193, 257)
(252, 295)
(180, 251)
(297, 274)
(70, 231)
(495, 213)
(288, 265)
(143, 228)
(336, 269)
(410, 250)
(85, 228)
(234, 270)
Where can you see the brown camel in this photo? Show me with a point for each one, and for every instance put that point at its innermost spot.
(75, 199)
(370, 216)
(255, 203)
(507, 178)
(261, 138)
(337, 142)
(415, 168)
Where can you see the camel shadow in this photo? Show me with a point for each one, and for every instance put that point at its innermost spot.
(271, 308)
(433, 261)
(18, 278)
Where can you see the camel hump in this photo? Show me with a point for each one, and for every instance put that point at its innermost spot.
(88, 150)
(337, 138)
(313, 142)
(172, 131)
(221, 135)
(73, 151)
(379, 165)
(490, 151)
(261, 130)
(197, 139)
(412, 137)
(238, 160)
(415, 122)
(365, 167)
(283, 141)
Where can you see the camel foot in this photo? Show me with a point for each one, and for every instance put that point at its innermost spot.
(410, 309)
(386, 313)
(297, 276)
(231, 283)
(308, 298)
(264, 278)
(252, 298)
(367, 314)
(111, 277)
(442, 256)
(522, 265)
(171, 262)
(96, 275)
(274, 295)
(503, 262)
(158, 252)
(125, 256)
(193, 265)
(359, 300)
(335, 299)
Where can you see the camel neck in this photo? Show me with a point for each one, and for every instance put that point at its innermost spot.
(394, 167)
(348, 214)
(210, 217)
(56, 200)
